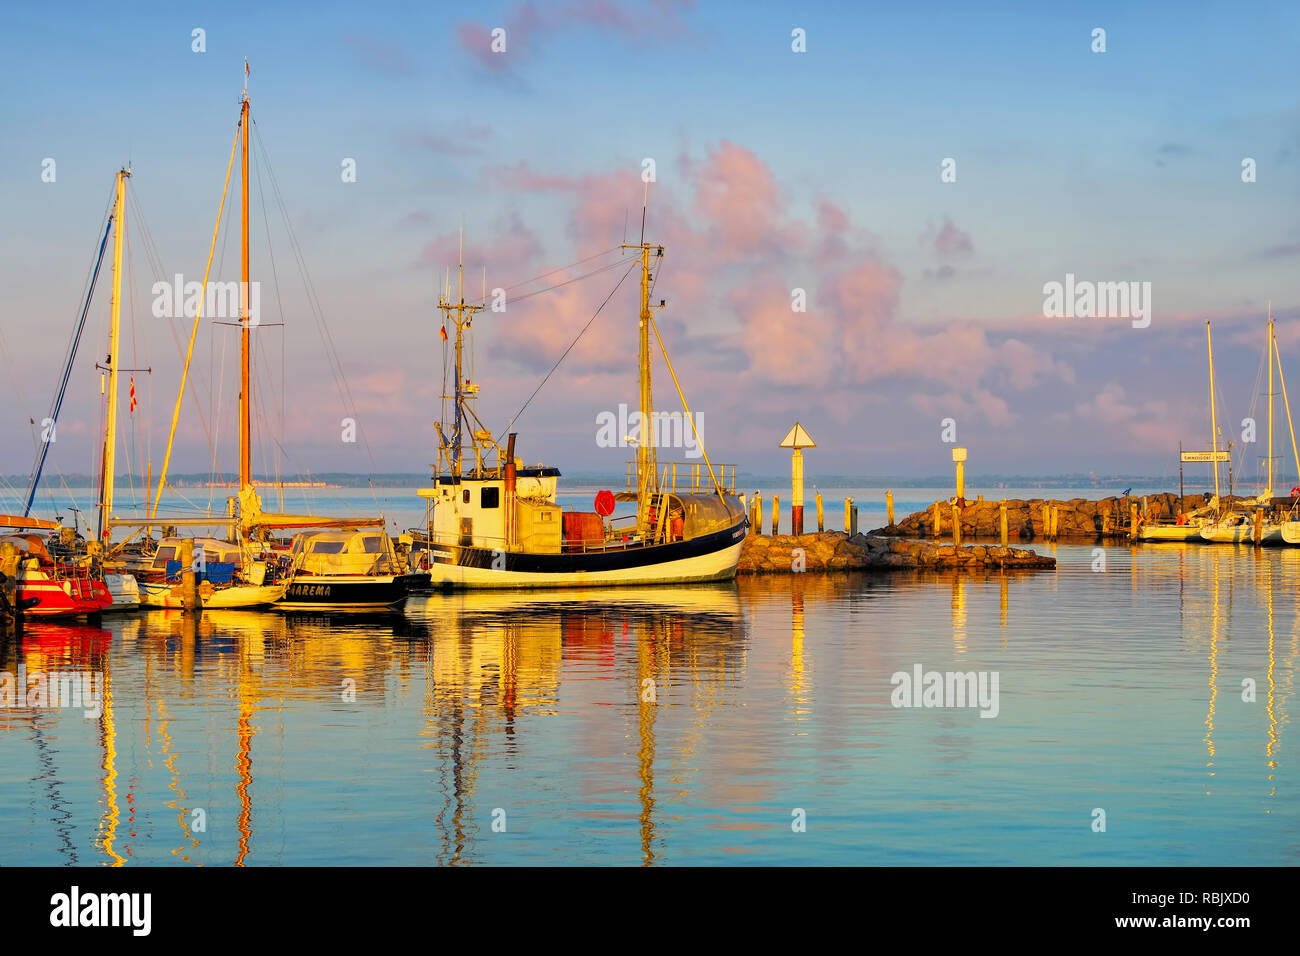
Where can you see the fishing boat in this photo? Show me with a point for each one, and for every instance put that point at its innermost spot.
(51, 589)
(492, 522)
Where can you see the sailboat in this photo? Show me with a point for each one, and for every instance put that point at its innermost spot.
(264, 574)
(491, 522)
(85, 569)
(1238, 527)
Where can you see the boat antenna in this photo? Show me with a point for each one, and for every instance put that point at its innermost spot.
(645, 200)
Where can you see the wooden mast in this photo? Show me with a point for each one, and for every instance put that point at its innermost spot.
(1268, 489)
(1214, 422)
(245, 392)
(111, 363)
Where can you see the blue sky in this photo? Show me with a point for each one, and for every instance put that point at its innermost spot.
(776, 170)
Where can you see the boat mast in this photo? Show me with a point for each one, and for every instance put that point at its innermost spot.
(1268, 489)
(1214, 422)
(462, 319)
(245, 393)
(109, 463)
(647, 467)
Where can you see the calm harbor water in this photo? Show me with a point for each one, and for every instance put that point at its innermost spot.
(415, 738)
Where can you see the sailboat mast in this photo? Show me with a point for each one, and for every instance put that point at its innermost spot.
(1268, 489)
(245, 393)
(111, 363)
(1214, 421)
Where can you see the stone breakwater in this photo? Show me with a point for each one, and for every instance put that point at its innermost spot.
(1076, 518)
(836, 551)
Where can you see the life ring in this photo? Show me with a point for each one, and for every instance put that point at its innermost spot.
(1295, 492)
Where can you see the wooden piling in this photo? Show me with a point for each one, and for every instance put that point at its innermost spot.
(850, 517)
(11, 614)
(956, 523)
(889, 506)
(1133, 520)
(1046, 520)
(776, 514)
(757, 518)
(189, 580)
(937, 522)
(821, 516)
(1259, 526)
(1002, 521)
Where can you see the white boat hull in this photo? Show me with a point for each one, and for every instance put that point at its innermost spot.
(1169, 532)
(169, 596)
(125, 591)
(1242, 534)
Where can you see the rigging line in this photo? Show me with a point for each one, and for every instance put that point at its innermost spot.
(634, 264)
(551, 288)
(180, 395)
(318, 313)
(549, 272)
(279, 304)
(78, 328)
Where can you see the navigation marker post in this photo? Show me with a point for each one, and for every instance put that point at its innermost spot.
(797, 439)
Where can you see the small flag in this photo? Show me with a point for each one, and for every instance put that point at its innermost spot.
(133, 401)
(246, 69)
(443, 333)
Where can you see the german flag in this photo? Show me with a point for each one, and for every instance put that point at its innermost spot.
(133, 401)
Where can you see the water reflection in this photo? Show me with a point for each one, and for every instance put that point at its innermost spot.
(669, 725)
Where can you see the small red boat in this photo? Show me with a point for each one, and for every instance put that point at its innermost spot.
(60, 590)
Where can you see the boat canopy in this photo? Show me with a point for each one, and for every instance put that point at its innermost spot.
(31, 543)
(344, 552)
(213, 550)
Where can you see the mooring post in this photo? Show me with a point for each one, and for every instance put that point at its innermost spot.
(1259, 526)
(1046, 520)
(1056, 519)
(1133, 520)
(821, 516)
(956, 523)
(776, 515)
(889, 506)
(756, 519)
(1002, 521)
(11, 614)
(936, 521)
(189, 580)
(850, 517)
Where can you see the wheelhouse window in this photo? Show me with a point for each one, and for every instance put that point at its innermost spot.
(327, 547)
(490, 497)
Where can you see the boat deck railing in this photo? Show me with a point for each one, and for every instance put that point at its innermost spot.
(685, 477)
(619, 536)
